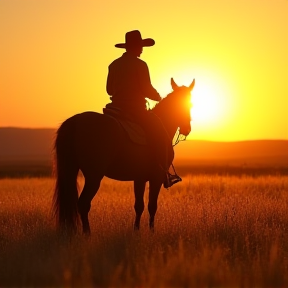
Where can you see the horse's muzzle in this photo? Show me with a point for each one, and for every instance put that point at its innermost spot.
(185, 130)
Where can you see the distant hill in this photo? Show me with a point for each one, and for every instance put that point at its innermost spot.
(33, 148)
(21, 144)
(256, 152)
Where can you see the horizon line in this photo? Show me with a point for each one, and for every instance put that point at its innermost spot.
(203, 140)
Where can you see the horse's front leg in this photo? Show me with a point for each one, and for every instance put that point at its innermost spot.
(139, 188)
(154, 189)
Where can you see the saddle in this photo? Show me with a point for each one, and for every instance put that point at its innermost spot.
(133, 130)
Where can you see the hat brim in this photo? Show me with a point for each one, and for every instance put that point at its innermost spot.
(144, 43)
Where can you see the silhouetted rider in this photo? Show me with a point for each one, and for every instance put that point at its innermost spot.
(128, 81)
(128, 84)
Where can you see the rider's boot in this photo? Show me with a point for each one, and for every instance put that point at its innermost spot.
(171, 180)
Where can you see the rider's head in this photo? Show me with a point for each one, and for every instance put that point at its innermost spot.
(134, 43)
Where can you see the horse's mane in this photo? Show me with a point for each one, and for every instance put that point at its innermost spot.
(167, 101)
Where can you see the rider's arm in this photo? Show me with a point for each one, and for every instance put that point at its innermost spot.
(146, 87)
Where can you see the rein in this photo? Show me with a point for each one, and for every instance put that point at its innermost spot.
(180, 138)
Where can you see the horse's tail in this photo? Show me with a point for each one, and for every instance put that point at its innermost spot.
(66, 170)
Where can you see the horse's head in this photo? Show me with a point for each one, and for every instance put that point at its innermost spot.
(174, 110)
(182, 106)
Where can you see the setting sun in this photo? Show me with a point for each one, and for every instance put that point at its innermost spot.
(209, 103)
(205, 105)
(212, 103)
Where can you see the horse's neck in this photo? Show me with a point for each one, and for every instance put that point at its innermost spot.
(167, 118)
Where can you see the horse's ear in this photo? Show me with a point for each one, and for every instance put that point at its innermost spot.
(173, 84)
(192, 85)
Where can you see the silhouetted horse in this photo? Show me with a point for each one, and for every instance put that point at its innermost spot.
(97, 145)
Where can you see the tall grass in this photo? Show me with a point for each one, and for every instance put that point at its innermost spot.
(210, 231)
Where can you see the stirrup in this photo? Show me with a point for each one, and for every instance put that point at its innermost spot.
(171, 180)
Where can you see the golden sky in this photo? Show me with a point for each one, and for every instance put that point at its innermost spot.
(54, 58)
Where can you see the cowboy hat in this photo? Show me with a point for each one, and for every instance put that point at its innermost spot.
(133, 38)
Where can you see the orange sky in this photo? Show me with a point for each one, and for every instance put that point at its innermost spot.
(54, 57)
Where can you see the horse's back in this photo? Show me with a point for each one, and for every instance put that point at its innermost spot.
(95, 126)
(95, 136)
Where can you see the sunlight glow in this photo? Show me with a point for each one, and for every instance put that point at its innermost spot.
(207, 104)
(212, 103)
(209, 98)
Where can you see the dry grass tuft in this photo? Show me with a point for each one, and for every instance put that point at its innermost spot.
(210, 231)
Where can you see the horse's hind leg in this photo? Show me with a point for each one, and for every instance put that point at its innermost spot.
(139, 188)
(91, 187)
(154, 190)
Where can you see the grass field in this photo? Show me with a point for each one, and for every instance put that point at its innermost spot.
(210, 231)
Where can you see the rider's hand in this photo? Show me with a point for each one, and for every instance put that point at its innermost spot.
(157, 97)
